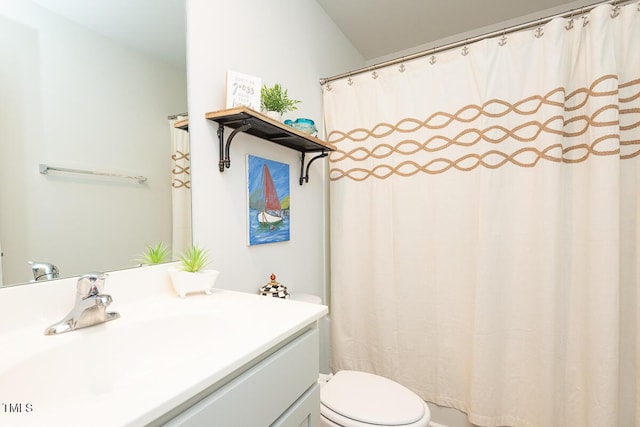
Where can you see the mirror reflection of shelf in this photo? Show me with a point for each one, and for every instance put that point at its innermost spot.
(244, 119)
(182, 124)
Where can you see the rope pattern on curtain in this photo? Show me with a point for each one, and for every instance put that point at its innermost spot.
(181, 170)
(564, 124)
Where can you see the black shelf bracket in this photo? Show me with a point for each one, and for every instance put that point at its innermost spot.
(304, 172)
(243, 119)
(225, 155)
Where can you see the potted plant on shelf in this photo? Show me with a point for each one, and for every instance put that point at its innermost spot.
(191, 276)
(275, 101)
(155, 254)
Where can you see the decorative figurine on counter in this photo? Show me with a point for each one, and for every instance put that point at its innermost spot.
(274, 289)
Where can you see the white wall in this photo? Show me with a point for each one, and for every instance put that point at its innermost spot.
(291, 42)
(72, 98)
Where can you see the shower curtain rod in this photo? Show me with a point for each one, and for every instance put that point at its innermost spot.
(519, 27)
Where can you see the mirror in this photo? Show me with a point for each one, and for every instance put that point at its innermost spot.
(87, 86)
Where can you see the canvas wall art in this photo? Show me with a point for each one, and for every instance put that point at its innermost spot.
(269, 212)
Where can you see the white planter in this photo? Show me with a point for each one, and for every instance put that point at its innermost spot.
(185, 282)
(273, 115)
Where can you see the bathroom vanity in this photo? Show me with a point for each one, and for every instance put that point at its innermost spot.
(228, 359)
(280, 390)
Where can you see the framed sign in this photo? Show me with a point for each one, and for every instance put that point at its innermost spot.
(243, 90)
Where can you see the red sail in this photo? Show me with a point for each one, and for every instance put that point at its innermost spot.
(271, 201)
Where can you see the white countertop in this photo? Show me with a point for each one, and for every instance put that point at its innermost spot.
(130, 371)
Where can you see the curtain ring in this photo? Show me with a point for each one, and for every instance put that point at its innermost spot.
(402, 68)
(503, 39)
(465, 49)
(433, 58)
(374, 73)
(539, 32)
(329, 87)
(585, 18)
(350, 80)
(570, 23)
(616, 10)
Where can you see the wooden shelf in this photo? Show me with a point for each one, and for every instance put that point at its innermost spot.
(269, 129)
(244, 119)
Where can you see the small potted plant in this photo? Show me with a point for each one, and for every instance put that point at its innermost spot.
(155, 254)
(275, 101)
(191, 276)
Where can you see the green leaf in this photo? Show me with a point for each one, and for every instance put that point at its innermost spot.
(155, 254)
(194, 259)
(276, 99)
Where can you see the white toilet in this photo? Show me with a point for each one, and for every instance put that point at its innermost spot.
(361, 399)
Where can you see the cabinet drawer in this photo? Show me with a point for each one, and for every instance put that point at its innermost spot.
(258, 396)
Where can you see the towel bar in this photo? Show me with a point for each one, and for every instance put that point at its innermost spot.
(44, 169)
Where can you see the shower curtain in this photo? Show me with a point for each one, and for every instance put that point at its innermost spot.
(484, 223)
(180, 188)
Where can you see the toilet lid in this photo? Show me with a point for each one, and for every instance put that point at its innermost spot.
(371, 399)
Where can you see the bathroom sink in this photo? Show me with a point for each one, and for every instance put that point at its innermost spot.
(103, 359)
(160, 354)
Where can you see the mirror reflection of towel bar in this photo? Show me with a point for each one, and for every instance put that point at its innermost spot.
(45, 169)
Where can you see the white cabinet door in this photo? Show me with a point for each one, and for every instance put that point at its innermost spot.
(261, 394)
(304, 413)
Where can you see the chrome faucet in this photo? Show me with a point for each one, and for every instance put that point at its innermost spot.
(43, 271)
(90, 308)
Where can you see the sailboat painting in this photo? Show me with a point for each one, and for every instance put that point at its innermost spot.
(269, 203)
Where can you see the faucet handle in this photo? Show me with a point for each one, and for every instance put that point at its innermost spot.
(91, 284)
